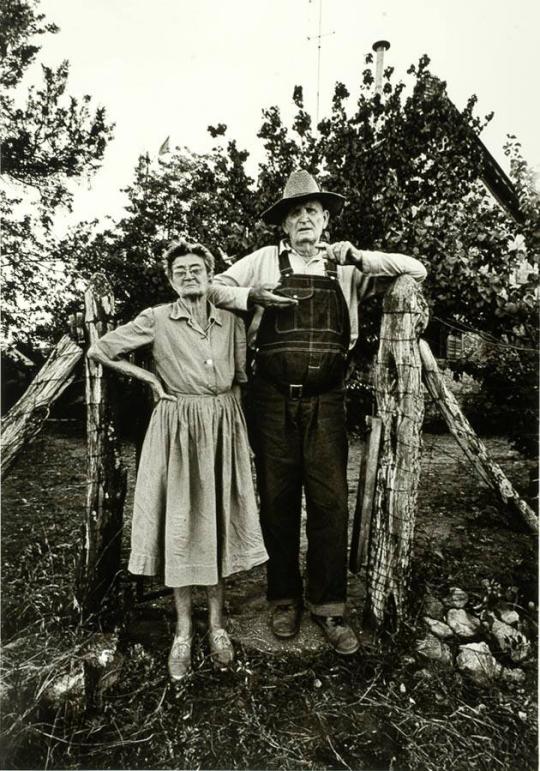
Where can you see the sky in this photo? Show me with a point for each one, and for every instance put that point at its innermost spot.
(172, 67)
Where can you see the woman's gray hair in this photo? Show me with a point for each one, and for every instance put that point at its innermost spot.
(181, 248)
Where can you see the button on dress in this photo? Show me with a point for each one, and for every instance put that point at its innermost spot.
(195, 514)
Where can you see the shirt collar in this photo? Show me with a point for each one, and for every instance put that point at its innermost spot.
(179, 311)
(284, 246)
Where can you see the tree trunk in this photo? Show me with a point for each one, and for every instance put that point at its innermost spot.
(469, 442)
(400, 403)
(99, 563)
(25, 419)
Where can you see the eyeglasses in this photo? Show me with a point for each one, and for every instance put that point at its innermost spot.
(196, 270)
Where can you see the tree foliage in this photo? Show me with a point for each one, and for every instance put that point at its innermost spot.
(205, 197)
(407, 163)
(410, 167)
(508, 368)
(45, 142)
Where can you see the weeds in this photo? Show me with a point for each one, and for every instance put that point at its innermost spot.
(293, 712)
(282, 711)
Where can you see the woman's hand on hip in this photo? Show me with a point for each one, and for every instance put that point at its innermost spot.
(159, 392)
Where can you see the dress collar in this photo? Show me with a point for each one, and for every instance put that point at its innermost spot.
(179, 311)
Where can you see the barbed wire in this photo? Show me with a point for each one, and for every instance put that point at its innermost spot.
(426, 538)
(399, 541)
(485, 336)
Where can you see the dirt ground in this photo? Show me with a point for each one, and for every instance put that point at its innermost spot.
(459, 529)
(461, 538)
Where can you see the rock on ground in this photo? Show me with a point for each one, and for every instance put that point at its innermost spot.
(438, 628)
(434, 649)
(516, 676)
(456, 598)
(507, 614)
(510, 640)
(462, 623)
(477, 661)
(433, 607)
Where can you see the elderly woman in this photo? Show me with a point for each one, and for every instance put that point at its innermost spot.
(195, 514)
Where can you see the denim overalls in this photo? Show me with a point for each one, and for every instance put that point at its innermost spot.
(303, 349)
(300, 438)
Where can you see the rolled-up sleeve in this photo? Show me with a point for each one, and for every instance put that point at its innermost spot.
(232, 298)
(387, 264)
(130, 336)
(259, 267)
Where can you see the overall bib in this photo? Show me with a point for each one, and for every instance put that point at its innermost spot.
(300, 438)
(305, 347)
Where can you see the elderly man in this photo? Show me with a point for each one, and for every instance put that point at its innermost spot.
(298, 396)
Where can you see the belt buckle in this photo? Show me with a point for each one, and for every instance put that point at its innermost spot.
(295, 391)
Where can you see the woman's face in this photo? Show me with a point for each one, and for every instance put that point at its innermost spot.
(189, 277)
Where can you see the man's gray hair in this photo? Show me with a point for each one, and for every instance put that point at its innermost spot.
(181, 248)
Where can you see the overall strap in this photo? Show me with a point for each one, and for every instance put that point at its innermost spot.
(285, 264)
(330, 268)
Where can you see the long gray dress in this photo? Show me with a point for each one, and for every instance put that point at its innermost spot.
(195, 513)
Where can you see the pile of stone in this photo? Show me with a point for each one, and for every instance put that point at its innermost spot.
(485, 644)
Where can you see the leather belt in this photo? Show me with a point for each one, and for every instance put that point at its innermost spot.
(297, 391)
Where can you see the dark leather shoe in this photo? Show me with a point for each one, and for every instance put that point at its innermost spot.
(285, 620)
(338, 633)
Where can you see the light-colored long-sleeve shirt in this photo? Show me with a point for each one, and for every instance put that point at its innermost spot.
(262, 267)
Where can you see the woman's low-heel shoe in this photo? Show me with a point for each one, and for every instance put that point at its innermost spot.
(180, 658)
(221, 648)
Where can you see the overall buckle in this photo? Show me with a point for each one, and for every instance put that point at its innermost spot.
(295, 391)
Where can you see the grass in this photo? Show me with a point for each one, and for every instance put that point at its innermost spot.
(317, 712)
(375, 710)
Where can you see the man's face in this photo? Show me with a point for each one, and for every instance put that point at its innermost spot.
(304, 223)
(189, 276)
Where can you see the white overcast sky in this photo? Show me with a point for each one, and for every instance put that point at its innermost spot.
(172, 67)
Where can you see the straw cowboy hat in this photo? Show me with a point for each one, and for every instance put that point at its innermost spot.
(300, 187)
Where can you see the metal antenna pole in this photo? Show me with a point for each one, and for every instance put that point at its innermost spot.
(319, 61)
(319, 46)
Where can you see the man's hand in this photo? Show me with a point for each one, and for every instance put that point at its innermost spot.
(263, 295)
(344, 253)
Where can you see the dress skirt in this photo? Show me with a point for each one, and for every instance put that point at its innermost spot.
(195, 514)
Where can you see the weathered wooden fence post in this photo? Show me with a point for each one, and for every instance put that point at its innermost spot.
(25, 419)
(400, 406)
(99, 563)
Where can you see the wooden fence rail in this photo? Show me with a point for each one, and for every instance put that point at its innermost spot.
(384, 525)
(25, 419)
(474, 449)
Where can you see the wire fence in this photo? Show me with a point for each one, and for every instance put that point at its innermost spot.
(49, 479)
(46, 492)
(65, 368)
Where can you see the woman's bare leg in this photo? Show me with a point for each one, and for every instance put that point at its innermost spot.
(182, 600)
(180, 655)
(215, 606)
(221, 649)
